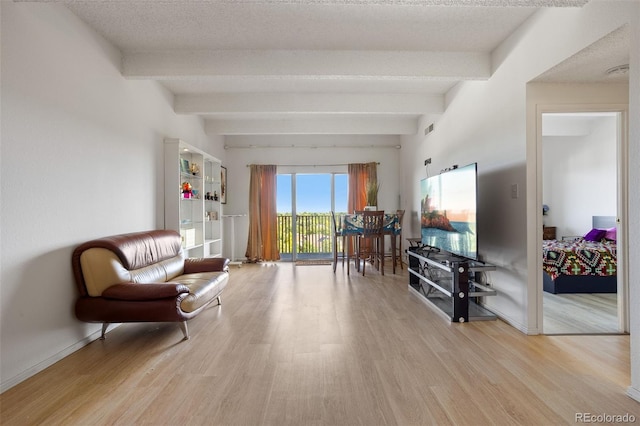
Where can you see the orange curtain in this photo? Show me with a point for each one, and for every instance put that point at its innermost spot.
(359, 175)
(263, 221)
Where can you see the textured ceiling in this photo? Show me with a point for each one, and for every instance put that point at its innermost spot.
(590, 65)
(318, 67)
(203, 25)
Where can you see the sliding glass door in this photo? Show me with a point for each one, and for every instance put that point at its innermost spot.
(305, 202)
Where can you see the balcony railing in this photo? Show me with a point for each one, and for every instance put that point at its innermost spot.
(314, 234)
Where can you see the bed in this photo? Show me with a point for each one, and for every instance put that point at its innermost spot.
(582, 264)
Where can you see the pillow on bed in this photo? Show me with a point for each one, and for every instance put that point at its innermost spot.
(595, 234)
(611, 234)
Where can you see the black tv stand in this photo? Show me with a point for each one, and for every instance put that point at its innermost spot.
(448, 283)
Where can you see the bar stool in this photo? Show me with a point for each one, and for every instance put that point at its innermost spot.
(371, 240)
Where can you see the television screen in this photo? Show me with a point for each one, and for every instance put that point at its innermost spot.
(448, 211)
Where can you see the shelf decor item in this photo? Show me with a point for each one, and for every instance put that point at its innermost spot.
(184, 166)
(223, 185)
(186, 190)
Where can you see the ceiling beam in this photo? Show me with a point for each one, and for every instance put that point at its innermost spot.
(199, 64)
(401, 125)
(322, 103)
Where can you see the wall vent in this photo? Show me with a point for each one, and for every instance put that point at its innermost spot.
(429, 129)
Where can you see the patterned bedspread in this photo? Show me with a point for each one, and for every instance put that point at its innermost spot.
(579, 258)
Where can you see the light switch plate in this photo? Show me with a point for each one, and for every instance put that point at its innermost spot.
(514, 191)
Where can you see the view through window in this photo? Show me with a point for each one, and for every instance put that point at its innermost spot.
(304, 204)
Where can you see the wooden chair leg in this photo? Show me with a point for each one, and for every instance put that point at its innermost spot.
(380, 254)
(335, 253)
(357, 251)
(364, 263)
(349, 255)
(393, 253)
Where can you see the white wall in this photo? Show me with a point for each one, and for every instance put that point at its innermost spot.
(579, 175)
(482, 125)
(358, 149)
(82, 157)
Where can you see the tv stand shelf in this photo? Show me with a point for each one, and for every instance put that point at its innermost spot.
(447, 282)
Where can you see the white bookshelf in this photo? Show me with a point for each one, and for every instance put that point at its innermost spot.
(196, 215)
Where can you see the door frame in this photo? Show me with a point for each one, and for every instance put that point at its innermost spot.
(622, 203)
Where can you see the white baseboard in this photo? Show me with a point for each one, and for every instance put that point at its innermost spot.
(512, 322)
(8, 384)
(633, 393)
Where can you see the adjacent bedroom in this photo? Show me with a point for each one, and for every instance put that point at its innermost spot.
(580, 202)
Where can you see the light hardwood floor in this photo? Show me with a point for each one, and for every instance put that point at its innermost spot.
(580, 313)
(302, 346)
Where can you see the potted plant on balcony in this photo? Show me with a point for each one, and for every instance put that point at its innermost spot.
(372, 195)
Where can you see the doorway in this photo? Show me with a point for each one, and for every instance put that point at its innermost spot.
(304, 204)
(583, 287)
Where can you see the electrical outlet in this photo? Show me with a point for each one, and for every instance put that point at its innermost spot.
(427, 161)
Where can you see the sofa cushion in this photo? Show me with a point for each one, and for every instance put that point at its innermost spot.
(203, 287)
(140, 249)
(102, 268)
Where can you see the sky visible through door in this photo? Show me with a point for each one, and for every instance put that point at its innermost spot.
(313, 193)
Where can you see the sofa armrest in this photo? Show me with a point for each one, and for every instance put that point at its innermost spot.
(209, 264)
(147, 291)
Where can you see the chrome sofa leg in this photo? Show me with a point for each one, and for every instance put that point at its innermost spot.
(105, 325)
(219, 300)
(185, 330)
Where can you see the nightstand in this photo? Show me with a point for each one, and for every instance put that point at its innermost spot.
(548, 232)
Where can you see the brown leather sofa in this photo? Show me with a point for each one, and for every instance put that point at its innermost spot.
(144, 277)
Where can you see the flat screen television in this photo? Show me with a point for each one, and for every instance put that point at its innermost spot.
(448, 211)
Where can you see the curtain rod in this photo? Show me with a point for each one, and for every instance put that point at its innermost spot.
(310, 165)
